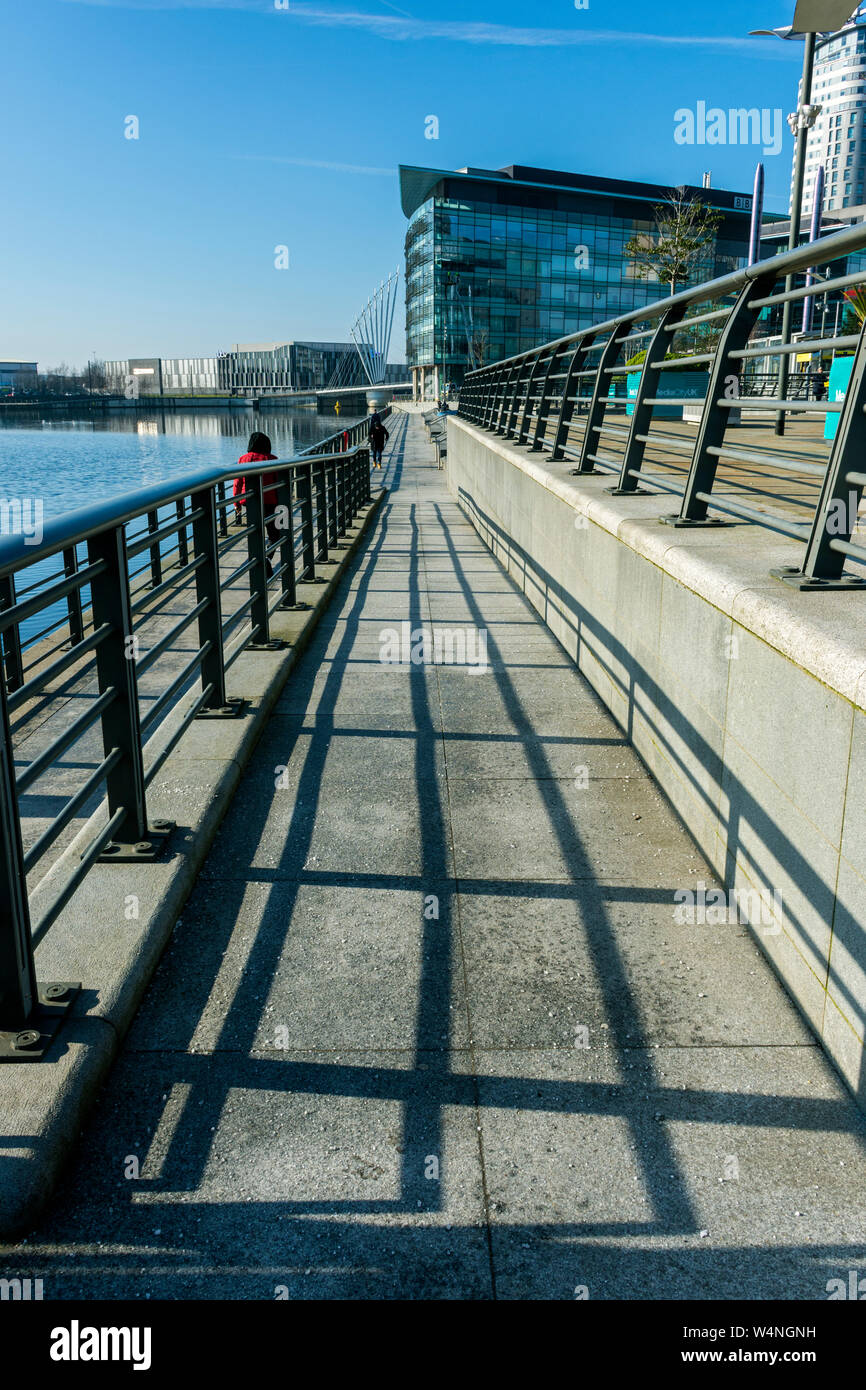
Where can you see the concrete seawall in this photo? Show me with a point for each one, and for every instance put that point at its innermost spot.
(745, 700)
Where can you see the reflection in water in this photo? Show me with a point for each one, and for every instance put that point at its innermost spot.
(72, 463)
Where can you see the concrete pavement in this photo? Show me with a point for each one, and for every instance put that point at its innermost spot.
(428, 1027)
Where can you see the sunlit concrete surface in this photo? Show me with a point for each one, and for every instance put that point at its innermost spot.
(428, 1027)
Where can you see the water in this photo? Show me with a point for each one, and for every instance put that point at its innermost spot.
(58, 465)
(67, 463)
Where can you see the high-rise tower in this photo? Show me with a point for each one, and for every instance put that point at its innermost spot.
(838, 139)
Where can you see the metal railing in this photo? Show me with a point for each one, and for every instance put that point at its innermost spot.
(117, 631)
(559, 397)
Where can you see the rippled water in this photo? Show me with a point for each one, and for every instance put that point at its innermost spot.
(70, 463)
(57, 465)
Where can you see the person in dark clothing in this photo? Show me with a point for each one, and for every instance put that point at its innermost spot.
(258, 451)
(377, 437)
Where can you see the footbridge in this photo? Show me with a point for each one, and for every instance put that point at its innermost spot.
(446, 879)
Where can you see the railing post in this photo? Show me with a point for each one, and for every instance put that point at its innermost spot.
(73, 598)
(286, 512)
(11, 639)
(342, 496)
(155, 556)
(513, 369)
(609, 357)
(331, 485)
(511, 421)
(714, 418)
(207, 584)
(30, 1013)
(258, 573)
(223, 512)
(556, 358)
(308, 544)
(490, 406)
(835, 514)
(116, 659)
(642, 414)
(321, 490)
(569, 396)
(18, 991)
(182, 542)
(523, 432)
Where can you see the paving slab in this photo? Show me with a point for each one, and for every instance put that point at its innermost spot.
(428, 1027)
(689, 1173)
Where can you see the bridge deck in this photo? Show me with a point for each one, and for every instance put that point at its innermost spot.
(361, 1071)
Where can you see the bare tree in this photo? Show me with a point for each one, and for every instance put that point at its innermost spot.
(685, 230)
(478, 345)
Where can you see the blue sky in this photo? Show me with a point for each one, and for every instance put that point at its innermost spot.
(263, 126)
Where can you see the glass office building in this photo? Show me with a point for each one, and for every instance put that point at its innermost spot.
(499, 261)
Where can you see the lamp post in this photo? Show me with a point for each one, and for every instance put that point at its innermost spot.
(811, 17)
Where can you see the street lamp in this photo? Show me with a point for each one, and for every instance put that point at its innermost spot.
(811, 17)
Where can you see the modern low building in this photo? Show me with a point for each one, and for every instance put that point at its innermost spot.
(169, 376)
(248, 369)
(498, 261)
(267, 368)
(17, 376)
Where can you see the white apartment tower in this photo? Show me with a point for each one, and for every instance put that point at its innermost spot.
(838, 138)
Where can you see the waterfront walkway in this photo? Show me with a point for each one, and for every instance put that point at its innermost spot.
(428, 1027)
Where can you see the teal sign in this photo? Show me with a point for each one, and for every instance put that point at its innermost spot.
(679, 385)
(840, 375)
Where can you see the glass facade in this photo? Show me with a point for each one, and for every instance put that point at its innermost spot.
(498, 266)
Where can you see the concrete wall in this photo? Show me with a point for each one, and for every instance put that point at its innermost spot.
(745, 699)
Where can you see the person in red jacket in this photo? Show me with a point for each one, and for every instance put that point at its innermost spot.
(258, 451)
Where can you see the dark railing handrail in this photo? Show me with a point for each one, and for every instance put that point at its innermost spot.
(74, 527)
(519, 396)
(788, 263)
(108, 596)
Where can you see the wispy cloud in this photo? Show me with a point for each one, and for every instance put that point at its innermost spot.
(402, 28)
(318, 164)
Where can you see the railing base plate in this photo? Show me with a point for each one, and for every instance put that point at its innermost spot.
(585, 472)
(30, 1043)
(230, 710)
(276, 645)
(796, 579)
(676, 520)
(142, 851)
(293, 607)
(630, 492)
